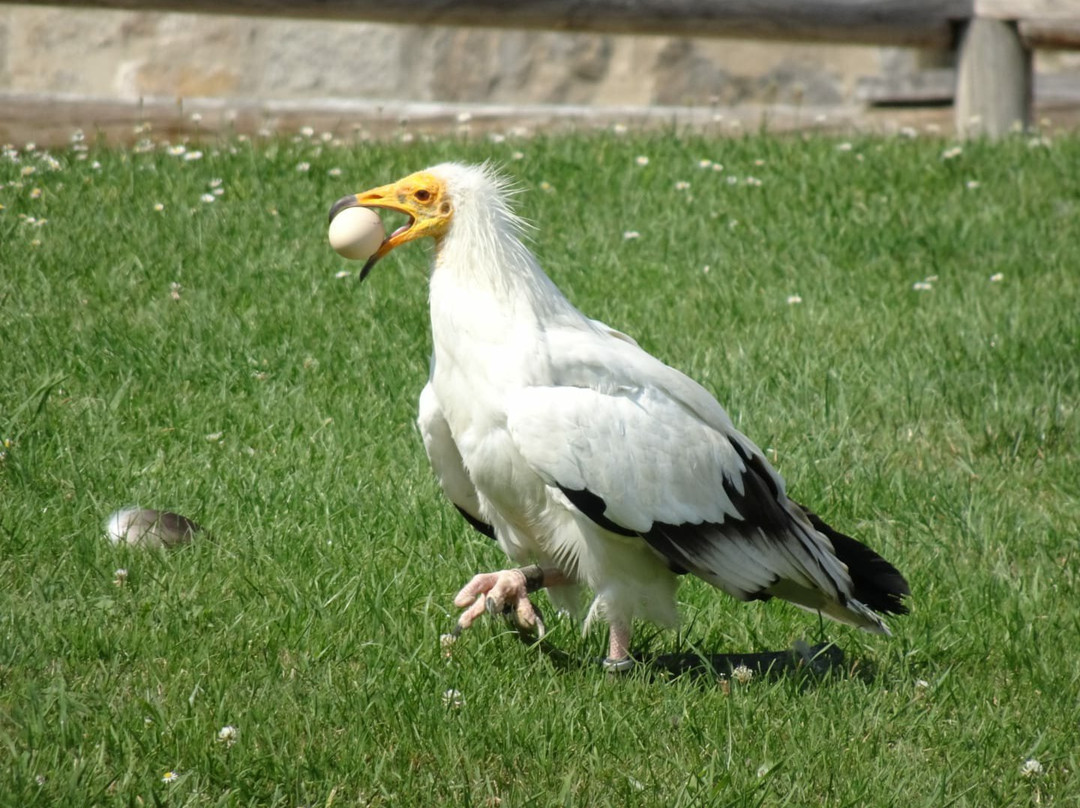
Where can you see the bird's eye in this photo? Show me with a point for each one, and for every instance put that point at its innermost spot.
(422, 195)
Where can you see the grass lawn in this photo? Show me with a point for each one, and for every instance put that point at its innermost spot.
(895, 322)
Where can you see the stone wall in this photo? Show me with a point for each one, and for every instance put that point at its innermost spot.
(131, 55)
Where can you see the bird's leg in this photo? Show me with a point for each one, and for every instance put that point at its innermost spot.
(506, 592)
(618, 658)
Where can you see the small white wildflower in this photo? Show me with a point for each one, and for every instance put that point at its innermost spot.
(732, 179)
(759, 162)
(78, 136)
(952, 153)
(547, 187)
(763, 769)
(497, 137)
(407, 137)
(517, 155)
(464, 117)
(344, 273)
(629, 235)
(922, 286)
(997, 277)
(177, 150)
(193, 155)
(302, 167)
(170, 777)
(641, 160)
(159, 207)
(620, 129)
(908, 132)
(218, 191)
(174, 290)
(705, 270)
(307, 131)
(228, 735)
(1031, 768)
(26, 171)
(207, 198)
(35, 193)
(453, 698)
(704, 163)
(120, 577)
(682, 185)
(216, 182)
(718, 167)
(334, 172)
(922, 684)
(446, 643)
(793, 299)
(213, 436)
(40, 779)
(845, 146)
(971, 185)
(742, 674)
(196, 117)
(753, 181)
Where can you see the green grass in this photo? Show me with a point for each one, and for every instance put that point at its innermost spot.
(274, 404)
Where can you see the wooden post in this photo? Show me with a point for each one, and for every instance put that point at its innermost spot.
(994, 79)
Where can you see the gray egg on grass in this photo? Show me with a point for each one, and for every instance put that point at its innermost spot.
(146, 527)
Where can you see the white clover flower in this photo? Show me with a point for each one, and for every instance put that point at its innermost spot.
(120, 577)
(641, 160)
(1031, 768)
(742, 674)
(453, 698)
(208, 198)
(228, 735)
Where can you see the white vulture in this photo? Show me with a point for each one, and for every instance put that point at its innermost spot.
(588, 459)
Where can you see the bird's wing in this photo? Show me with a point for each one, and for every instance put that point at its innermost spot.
(446, 461)
(641, 449)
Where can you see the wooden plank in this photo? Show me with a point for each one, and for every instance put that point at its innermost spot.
(1051, 34)
(1028, 9)
(886, 22)
(993, 88)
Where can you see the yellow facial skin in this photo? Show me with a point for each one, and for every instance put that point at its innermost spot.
(421, 196)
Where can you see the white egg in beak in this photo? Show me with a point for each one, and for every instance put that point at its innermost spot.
(356, 233)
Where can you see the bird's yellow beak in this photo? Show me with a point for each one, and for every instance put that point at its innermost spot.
(421, 196)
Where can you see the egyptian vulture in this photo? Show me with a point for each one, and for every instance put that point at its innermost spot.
(586, 458)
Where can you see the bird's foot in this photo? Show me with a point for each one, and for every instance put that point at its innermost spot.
(503, 593)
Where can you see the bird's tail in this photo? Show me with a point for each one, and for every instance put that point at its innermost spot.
(876, 583)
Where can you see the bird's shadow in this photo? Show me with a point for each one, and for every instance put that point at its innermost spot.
(802, 662)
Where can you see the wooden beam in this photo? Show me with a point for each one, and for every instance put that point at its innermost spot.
(1052, 34)
(993, 88)
(927, 23)
(1027, 9)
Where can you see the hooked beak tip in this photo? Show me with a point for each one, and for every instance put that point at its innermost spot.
(343, 203)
